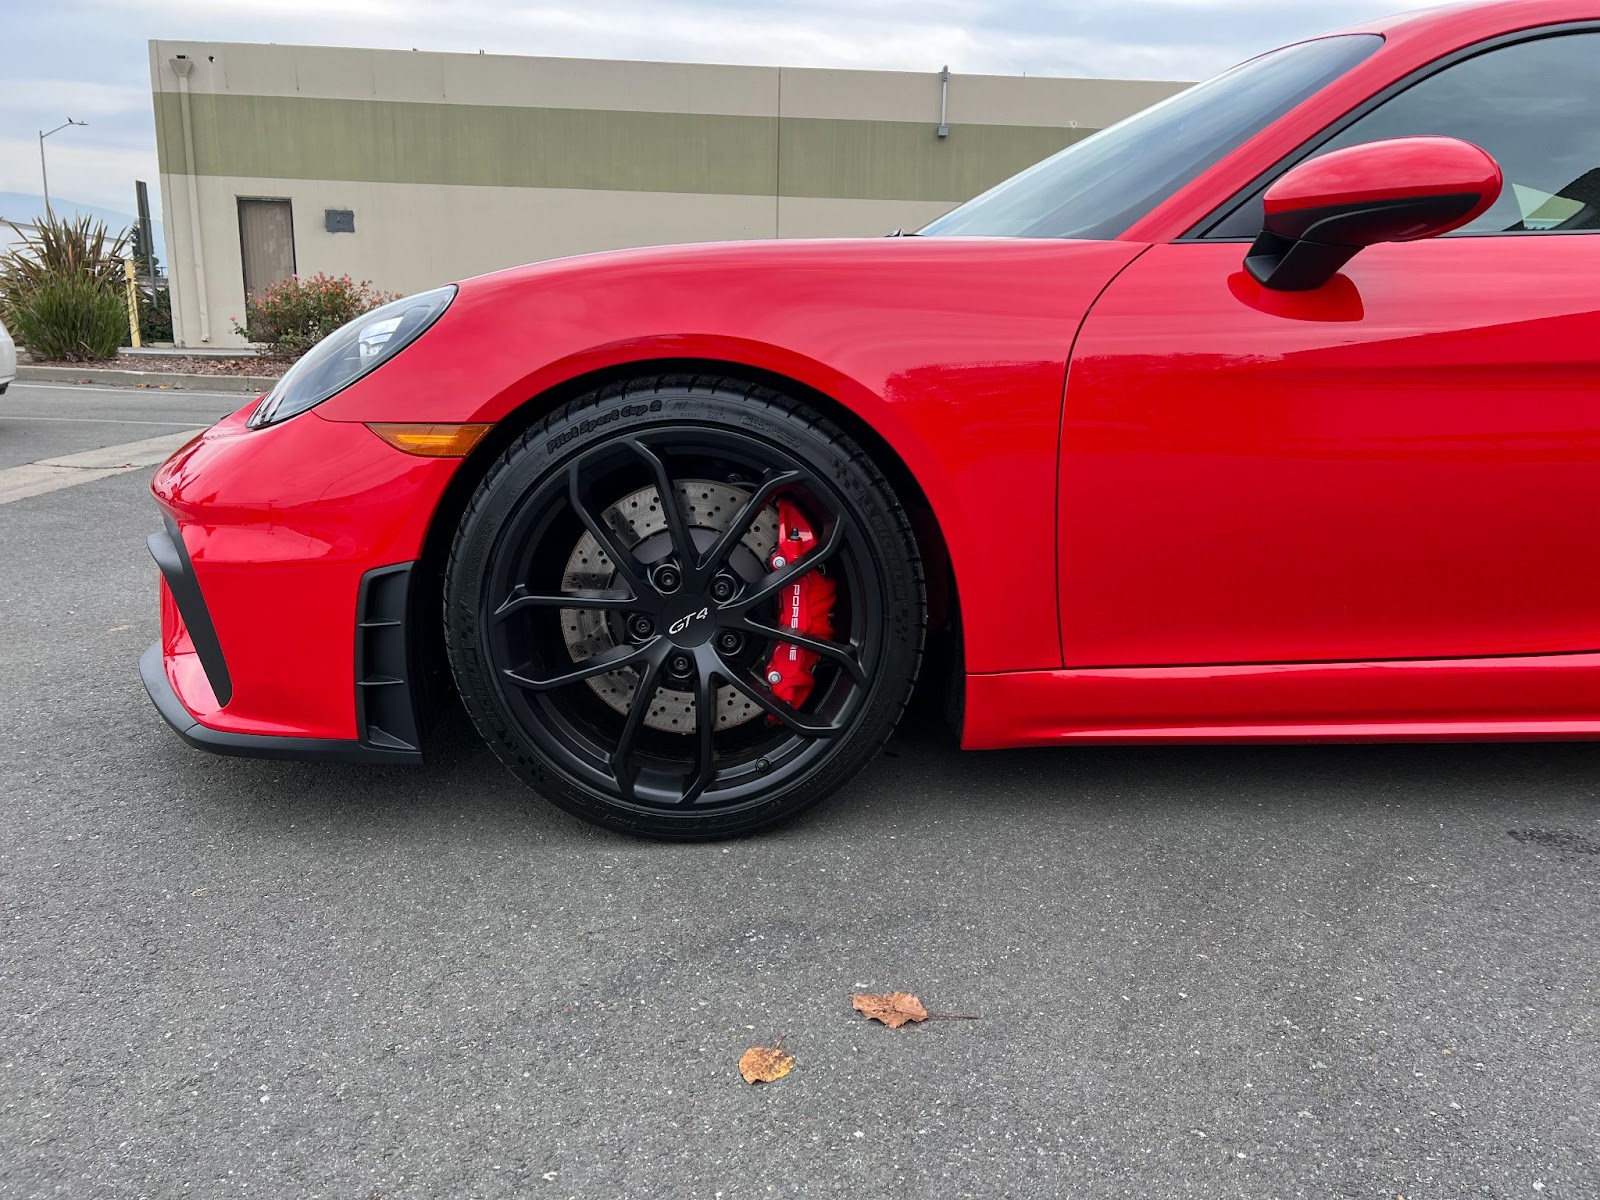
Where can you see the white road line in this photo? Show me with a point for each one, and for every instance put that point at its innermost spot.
(35, 479)
(52, 474)
(146, 453)
(242, 397)
(100, 421)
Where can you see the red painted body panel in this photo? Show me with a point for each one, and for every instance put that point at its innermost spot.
(1557, 696)
(1402, 464)
(953, 350)
(281, 523)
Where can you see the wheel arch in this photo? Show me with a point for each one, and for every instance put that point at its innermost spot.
(938, 568)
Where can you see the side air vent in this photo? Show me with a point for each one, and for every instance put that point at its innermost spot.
(386, 718)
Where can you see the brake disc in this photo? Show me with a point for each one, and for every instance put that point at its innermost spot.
(708, 509)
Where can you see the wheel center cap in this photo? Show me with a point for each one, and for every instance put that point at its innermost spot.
(689, 623)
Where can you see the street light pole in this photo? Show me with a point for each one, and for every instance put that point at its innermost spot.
(44, 174)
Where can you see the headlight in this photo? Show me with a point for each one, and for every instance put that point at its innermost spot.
(347, 354)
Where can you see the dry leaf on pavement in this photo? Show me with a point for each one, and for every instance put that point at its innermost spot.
(894, 1009)
(764, 1064)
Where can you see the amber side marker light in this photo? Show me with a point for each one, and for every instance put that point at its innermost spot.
(432, 441)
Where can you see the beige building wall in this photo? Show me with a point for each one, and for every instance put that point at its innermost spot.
(458, 164)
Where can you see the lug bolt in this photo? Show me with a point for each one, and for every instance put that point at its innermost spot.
(729, 641)
(722, 588)
(641, 626)
(667, 578)
(680, 664)
(774, 676)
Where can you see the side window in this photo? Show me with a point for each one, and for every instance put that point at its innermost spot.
(1535, 106)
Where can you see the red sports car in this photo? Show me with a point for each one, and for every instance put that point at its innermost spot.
(1271, 413)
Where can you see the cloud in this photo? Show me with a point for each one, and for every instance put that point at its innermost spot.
(88, 58)
(100, 175)
(84, 99)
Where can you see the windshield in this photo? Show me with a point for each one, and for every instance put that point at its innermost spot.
(1100, 186)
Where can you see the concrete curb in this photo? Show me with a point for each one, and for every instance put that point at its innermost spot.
(154, 354)
(249, 385)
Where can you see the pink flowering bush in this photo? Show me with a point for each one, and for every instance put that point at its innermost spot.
(290, 317)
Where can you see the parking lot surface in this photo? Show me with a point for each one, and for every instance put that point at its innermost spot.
(47, 420)
(1211, 972)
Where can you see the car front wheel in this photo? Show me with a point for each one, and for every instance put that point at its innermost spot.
(685, 608)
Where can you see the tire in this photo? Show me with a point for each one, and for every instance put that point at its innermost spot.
(571, 591)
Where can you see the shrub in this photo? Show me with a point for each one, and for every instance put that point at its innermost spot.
(62, 291)
(69, 315)
(289, 318)
(58, 247)
(155, 314)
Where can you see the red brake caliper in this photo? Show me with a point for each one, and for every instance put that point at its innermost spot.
(806, 605)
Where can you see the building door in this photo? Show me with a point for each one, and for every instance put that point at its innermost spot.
(266, 243)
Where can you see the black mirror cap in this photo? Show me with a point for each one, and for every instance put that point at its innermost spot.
(1302, 249)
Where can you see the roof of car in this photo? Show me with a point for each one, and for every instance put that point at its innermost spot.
(1482, 18)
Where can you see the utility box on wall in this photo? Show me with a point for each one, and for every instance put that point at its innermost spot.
(339, 220)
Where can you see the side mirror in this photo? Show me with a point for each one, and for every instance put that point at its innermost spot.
(1321, 212)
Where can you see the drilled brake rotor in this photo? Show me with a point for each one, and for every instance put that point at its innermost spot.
(636, 519)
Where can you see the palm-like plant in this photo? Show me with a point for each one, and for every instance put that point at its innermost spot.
(57, 246)
(60, 288)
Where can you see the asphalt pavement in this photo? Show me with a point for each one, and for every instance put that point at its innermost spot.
(1215, 972)
(40, 421)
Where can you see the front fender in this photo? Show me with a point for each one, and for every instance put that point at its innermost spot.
(953, 350)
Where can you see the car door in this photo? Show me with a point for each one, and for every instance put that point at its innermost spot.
(1403, 463)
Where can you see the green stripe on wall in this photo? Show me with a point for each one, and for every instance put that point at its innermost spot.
(900, 160)
(382, 141)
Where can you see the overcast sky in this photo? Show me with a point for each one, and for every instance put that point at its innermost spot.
(87, 58)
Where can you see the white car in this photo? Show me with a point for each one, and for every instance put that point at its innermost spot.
(8, 358)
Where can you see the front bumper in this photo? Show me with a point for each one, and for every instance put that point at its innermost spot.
(287, 562)
(153, 670)
(189, 650)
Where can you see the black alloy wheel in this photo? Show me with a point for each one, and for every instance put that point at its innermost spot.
(613, 607)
